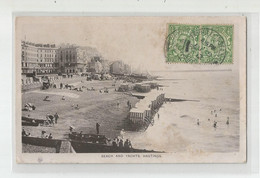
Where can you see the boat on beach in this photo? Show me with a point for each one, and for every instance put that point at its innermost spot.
(81, 143)
(27, 121)
(93, 143)
(88, 147)
(43, 142)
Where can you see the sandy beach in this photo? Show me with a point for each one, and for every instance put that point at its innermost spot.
(94, 107)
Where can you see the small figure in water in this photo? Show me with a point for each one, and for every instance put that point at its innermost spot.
(198, 122)
(158, 115)
(227, 121)
(215, 124)
(211, 112)
(220, 109)
(208, 119)
(216, 115)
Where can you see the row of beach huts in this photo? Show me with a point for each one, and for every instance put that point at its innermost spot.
(141, 116)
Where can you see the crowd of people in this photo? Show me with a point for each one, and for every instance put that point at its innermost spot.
(215, 115)
(52, 119)
(44, 135)
(121, 144)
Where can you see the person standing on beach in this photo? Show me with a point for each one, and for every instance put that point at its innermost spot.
(97, 127)
(56, 116)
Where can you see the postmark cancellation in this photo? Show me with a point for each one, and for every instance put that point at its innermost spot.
(199, 44)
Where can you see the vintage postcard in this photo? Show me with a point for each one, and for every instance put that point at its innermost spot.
(130, 89)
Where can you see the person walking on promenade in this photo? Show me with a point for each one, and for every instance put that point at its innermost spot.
(97, 127)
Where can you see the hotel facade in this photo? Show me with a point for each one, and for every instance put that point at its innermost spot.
(71, 59)
(38, 58)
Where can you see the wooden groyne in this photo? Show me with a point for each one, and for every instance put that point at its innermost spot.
(179, 100)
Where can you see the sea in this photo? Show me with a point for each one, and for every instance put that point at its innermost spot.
(202, 98)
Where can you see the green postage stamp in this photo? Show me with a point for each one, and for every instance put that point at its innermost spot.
(199, 44)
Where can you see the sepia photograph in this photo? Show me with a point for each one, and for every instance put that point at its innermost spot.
(130, 89)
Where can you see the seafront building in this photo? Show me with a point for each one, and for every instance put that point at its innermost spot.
(66, 59)
(38, 58)
(71, 59)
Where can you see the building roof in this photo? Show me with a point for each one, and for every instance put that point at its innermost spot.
(143, 104)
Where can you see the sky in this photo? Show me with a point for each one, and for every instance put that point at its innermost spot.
(138, 41)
